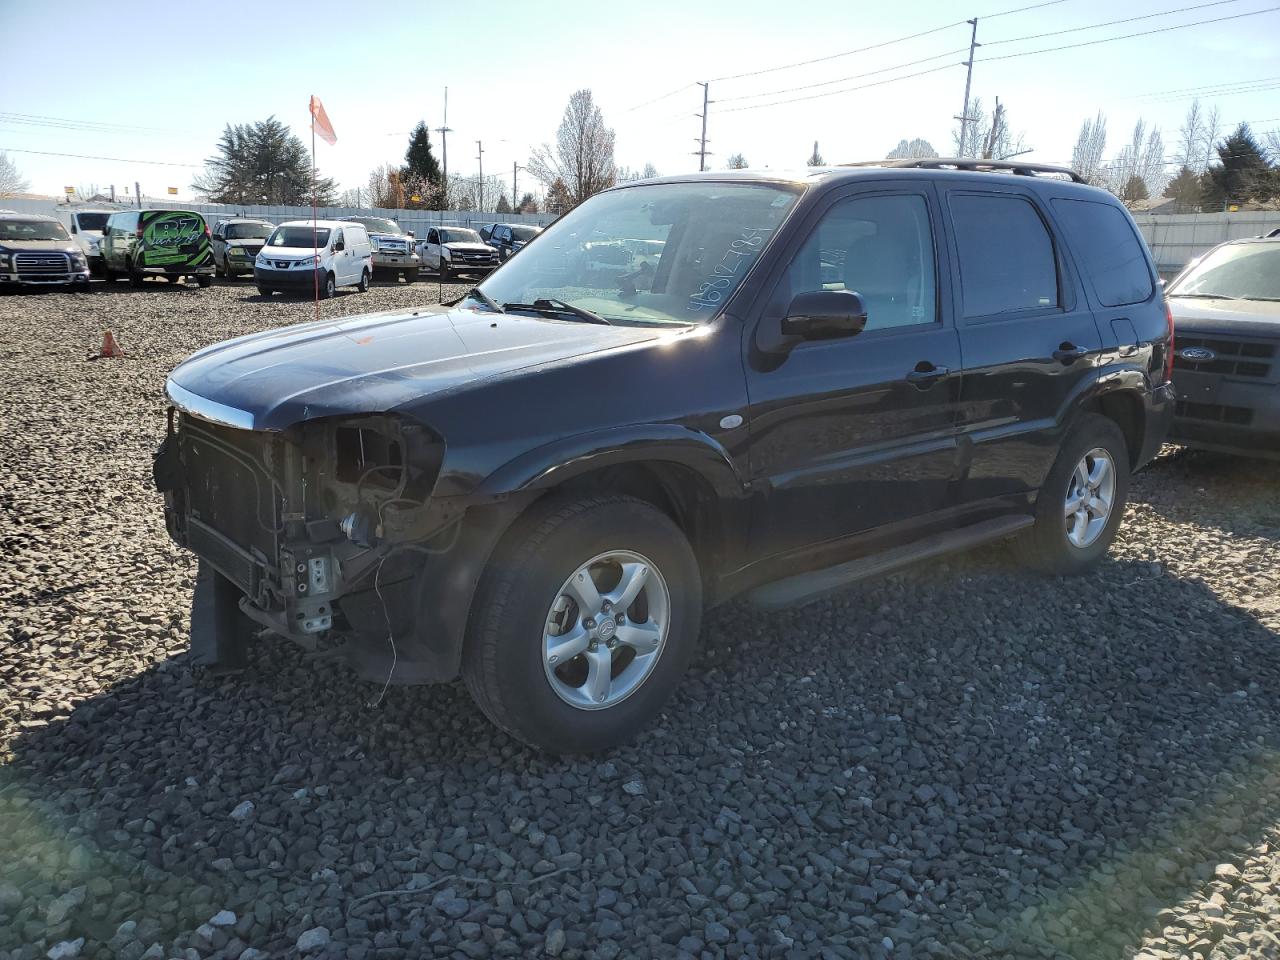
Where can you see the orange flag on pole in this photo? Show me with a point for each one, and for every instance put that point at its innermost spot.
(320, 122)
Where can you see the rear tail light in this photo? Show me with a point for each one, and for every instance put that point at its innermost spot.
(1168, 355)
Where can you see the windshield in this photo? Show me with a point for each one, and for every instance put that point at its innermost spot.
(248, 231)
(1243, 271)
(662, 253)
(33, 230)
(524, 233)
(380, 225)
(459, 235)
(298, 237)
(92, 221)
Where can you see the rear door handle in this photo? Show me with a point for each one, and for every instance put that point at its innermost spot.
(1069, 353)
(925, 373)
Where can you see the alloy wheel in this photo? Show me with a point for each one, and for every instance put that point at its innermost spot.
(1091, 493)
(606, 630)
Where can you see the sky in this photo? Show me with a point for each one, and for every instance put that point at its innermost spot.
(154, 84)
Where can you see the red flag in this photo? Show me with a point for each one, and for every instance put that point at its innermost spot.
(320, 122)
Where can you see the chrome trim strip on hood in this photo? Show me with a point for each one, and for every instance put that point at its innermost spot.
(206, 409)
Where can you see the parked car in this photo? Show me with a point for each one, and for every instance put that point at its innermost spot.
(453, 251)
(485, 230)
(302, 256)
(1226, 316)
(173, 244)
(544, 485)
(507, 238)
(36, 250)
(393, 249)
(236, 244)
(86, 230)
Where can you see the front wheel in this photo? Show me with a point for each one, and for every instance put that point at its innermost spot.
(330, 287)
(204, 280)
(444, 270)
(363, 285)
(411, 276)
(265, 291)
(585, 620)
(136, 277)
(1079, 508)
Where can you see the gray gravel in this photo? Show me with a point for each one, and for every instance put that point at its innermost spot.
(961, 761)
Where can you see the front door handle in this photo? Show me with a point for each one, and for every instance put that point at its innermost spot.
(1069, 353)
(925, 373)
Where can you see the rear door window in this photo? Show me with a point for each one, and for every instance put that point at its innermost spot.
(1007, 261)
(1108, 250)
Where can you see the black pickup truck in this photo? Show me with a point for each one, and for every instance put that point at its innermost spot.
(683, 391)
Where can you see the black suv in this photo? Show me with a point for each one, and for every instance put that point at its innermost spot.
(507, 238)
(1226, 315)
(688, 389)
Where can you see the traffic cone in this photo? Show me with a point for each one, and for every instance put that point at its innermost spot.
(109, 346)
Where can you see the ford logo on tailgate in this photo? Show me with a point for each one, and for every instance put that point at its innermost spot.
(1196, 354)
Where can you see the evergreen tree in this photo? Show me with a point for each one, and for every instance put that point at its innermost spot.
(815, 158)
(419, 162)
(503, 206)
(1242, 173)
(262, 162)
(527, 204)
(1185, 187)
(1135, 188)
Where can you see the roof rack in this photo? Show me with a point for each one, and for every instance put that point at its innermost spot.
(970, 163)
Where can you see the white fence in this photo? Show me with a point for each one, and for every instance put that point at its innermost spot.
(415, 220)
(1175, 239)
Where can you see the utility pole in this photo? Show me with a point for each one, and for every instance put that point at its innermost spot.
(480, 160)
(444, 130)
(968, 78)
(515, 197)
(137, 193)
(702, 147)
(113, 193)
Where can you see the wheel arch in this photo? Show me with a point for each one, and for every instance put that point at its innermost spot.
(1123, 407)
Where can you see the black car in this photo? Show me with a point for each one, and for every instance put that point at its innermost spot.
(1226, 315)
(789, 383)
(507, 238)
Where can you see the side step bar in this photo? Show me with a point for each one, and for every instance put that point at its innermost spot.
(806, 587)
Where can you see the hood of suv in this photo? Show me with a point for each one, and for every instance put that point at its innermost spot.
(1255, 318)
(469, 246)
(375, 363)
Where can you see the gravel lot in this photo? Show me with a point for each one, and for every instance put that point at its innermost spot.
(961, 761)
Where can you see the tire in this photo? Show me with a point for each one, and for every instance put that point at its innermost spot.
(204, 280)
(411, 276)
(1060, 543)
(444, 270)
(221, 269)
(136, 277)
(363, 285)
(174, 279)
(528, 582)
(265, 291)
(330, 287)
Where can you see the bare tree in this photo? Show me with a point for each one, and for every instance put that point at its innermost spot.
(351, 198)
(989, 135)
(815, 158)
(1141, 157)
(1212, 130)
(625, 174)
(1271, 142)
(583, 156)
(911, 149)
(385, 189)
(737, 161)
(1086, 156)
(11, 180)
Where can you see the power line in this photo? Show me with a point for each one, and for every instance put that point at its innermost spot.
(120, 127)
(1109, 23)
(885, 43)
(832, 93)
(656, 99)
(1260, 88)
(1210, 88)
(856, 76)
(1128, 36)
(87, 156)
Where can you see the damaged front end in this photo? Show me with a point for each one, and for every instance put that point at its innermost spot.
(303, 521)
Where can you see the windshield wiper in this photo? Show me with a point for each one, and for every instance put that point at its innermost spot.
(1205, 296)
(484, 298)
(547, 305)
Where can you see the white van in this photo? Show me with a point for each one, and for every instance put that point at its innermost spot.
(305, 255)
(86, 230)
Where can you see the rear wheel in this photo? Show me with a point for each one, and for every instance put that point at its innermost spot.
(585, 620)
(136, 276)
(411, 276)
(1079, 508)
(204, 280)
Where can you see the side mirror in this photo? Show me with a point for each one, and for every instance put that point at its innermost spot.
(73, 227)
(410, 233)
(825, 315)
(339, 246)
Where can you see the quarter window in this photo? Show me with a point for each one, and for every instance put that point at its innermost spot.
(878, 247)
(1109, 251)
(1007, 264)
